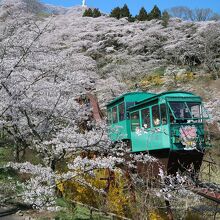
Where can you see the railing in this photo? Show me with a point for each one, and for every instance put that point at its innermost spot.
(209, 171)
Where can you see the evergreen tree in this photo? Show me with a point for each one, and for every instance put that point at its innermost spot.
(142, 16)
(155, 13)
(96, 13)
(165, 18)
(125, 12)
(88, 13)
(116, 13)
(131, 19)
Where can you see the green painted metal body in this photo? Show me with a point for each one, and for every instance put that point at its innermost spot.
(163, 130)
(121, 129)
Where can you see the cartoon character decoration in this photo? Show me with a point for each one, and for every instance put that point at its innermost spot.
(188, 136)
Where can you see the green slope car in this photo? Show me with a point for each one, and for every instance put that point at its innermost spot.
(167, 125)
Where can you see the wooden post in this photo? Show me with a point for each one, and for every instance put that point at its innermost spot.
(169, 210)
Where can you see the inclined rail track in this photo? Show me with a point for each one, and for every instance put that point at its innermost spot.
(12, 209)
(210, 191)
(8, 212)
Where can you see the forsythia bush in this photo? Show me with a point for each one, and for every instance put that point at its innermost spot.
(187, 77)
(152, 80)
(74, 190)
(154, 215)
(116, 200)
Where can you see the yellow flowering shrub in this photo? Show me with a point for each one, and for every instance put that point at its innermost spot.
(152, 80)
(186, 77)
(156, 215)
(116, 199)
(60, 186)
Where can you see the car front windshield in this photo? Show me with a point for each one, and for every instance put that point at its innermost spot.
(186, 110)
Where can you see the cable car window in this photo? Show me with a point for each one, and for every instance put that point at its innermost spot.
(109, 116)
(114, 114)
(156, 115)
(195, 109)
(180, 110)
(145, 114)
(135, 121)
(121, 108)
(129, 104)
(163, 113)
(203, 112)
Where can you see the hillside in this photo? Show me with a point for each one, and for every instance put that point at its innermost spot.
(111, 57)
(119, 47)
(50, 56)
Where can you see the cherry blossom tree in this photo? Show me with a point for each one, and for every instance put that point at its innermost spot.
(47, 64)
(40, 86)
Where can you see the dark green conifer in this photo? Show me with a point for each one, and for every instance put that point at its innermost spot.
(96, 13)
(88, 13)
(165, 18)
(142, 16)
(116, 13)
(155, 13)
(125, 12)
(132, 19)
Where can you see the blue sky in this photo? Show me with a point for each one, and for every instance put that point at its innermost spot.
(135, 5)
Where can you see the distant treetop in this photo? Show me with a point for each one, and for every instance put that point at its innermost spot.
(155, 13)
(185, 13)
(116, 13)
(165, 18)
(121, 12)
(92, 13)
(142, 16)
(125, 12)
(96, 13)
(198, 14)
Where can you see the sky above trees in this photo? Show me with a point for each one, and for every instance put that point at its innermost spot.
(135, 6)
